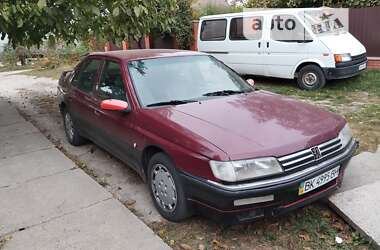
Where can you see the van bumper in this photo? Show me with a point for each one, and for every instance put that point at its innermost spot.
(218, 203)
(344, 72)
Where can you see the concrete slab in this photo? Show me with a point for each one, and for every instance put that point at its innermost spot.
(20, 128)
(360, 207)
(363, 169)
(20, 144)
(9, 115)
(43, 199)
(106, 225)
(32, 165)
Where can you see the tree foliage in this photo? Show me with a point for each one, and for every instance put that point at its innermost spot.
(29, 22)
(182, 26)
(310, 3)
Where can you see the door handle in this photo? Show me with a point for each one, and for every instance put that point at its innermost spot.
(259, 44)
(267, 44)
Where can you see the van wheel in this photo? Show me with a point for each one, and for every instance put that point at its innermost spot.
(166, 189)
(71, 131)
(311, 77)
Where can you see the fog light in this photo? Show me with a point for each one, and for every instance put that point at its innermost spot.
(254, 200)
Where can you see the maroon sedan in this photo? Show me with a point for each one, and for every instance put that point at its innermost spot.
(203, 138)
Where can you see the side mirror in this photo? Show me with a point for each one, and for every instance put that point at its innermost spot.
(251, 82)
(115, 105)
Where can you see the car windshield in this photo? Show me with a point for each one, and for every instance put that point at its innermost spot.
(324, 22)
(182, 79)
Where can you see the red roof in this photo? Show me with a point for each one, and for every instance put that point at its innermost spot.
(135, 54)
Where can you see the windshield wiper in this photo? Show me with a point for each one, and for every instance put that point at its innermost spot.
(171, 102)
(224, 93)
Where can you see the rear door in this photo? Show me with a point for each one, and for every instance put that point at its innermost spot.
(81, 96)
(116, 127)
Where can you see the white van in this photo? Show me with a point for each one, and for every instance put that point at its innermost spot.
(310, 45)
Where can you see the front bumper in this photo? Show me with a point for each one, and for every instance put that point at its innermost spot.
(344, 72)
(217, 200)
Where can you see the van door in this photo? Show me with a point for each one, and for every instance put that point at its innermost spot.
(212, 37)
(288, 44)
(245, 45)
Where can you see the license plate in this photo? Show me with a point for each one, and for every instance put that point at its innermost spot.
(318, 181)
(362, 66)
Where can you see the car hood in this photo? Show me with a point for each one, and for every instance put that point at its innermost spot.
(343, 43)
(252, 125)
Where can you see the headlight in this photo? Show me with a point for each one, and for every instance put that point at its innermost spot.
(245, 169)
(342, 57)
(345, 135)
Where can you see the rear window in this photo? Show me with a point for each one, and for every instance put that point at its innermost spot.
(213, 30)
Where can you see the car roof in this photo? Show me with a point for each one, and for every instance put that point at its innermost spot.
(260, 11)
(137, 54)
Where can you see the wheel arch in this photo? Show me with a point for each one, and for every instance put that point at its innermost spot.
(147, 154)
(302, 64)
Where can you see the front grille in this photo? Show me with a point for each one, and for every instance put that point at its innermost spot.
(355, 60)
(306, 157)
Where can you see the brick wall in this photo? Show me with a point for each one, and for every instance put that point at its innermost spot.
(374, 63)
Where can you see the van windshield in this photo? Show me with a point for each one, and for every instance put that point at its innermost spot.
(325, 21)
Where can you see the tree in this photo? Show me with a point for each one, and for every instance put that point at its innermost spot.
(29, 22)
(182, 26)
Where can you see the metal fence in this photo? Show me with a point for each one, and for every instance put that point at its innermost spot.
(365, 26)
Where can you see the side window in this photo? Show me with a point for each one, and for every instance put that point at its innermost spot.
(111, 84)
(213, 30)
(86, 76)
(287, 28)
(247, 28)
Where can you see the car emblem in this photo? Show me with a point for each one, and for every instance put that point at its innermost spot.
(316, 153)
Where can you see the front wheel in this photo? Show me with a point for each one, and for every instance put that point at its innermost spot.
(311, 77)
(166, 189)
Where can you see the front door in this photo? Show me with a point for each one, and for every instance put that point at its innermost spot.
(287, 45)
(115, 126)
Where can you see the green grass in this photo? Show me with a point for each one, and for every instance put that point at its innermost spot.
(368, 81)
(312, 227)
(14, 67)
(53, 73)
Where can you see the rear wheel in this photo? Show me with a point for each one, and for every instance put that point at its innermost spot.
(71, 131)
(311, 77)
(166, 189)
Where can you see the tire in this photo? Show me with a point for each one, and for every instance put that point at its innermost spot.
(71, 131)
(159, 167)
(311, 77)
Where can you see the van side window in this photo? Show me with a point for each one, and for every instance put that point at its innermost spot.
(247, 28)
(287, 28)
(213, 30)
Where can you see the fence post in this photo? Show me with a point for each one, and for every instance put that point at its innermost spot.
(147, 41)
(125, 45)
(194, 46)
(107, 47)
